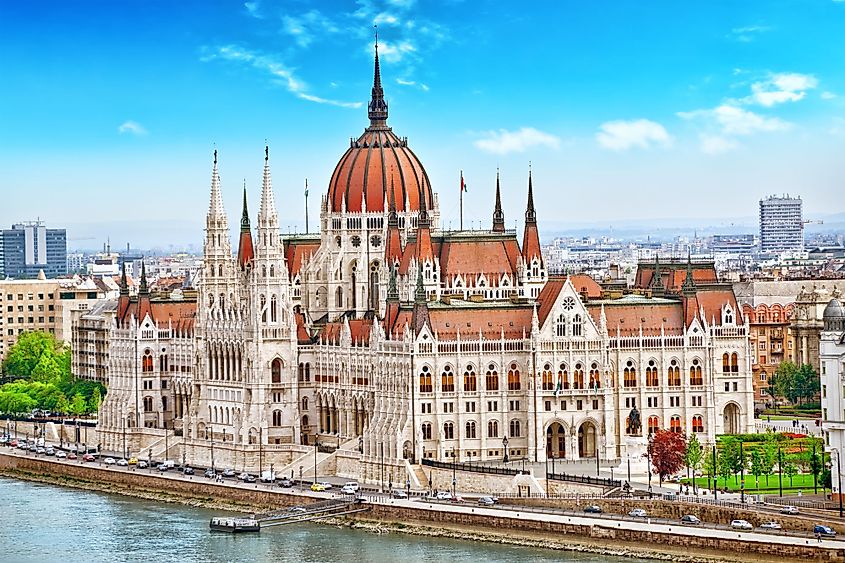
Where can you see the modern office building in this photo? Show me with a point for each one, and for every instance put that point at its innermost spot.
(29, 248)
(781, 224)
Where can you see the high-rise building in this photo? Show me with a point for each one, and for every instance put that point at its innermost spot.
(29, 248)
(781, 224)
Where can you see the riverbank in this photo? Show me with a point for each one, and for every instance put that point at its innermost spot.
(423, 521)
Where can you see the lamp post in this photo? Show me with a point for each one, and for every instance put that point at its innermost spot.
(315, 461)
(780, 471)
(505, 446)
(648, 457)
(715, 473)
(212, 449)
(454, 473)
(741, 473)
(839, 479)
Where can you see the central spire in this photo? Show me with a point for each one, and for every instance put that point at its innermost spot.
(377, 108)
(498, 214)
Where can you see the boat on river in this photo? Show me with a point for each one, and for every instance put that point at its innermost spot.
(234, 525)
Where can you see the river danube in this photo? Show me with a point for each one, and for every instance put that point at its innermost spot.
(47, 523)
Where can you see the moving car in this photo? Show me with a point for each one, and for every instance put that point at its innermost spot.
(122, 462)
(317, 487)
(210, 473)
(638, 513)
(326, 485)
(188, 470)
(353, 485)
(690, 520)
(285, 482)
(486, 501)
(444, 495)
(592, 509)
(133, 461)
(268, 477)
(50, 451)
(824, 531)
(228, 472)
(109, 461)
(771, 525)
(399, 493)
(162, 467)
(347, 490)
(250, 479)
(789, 510)
(88, 457)
(143, 464)
(61, 455)
(741, 525)
(38, 450)
(72, 456)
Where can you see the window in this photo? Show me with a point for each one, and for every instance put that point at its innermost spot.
(578, 377)
(469, 406)
(513, 378)
(595, 404)
(277, 418)
(653, 424)
(734, 363)
(470, 429)
(449, 431)
(514, 405)
(493, 406)
(695, 377)
(470, 381)
(147, 362)
(651, 376)
(426, 431)
(562, 377)
(449, 407)
(675, 424)
(492, 378)
(674, 374)
(548, 406)
(148, 404)
(577, 325)
(447, 380)
(579, 404)
(763, 376)
(726, 363)
(263, 301)
(425, 380)
(697, 423)
(276, 370)
(560, 326)
(548, 378)
(515, 429)
(595, 376)
(493, 429)
(727, 386)
(630, 374)
(305, 403)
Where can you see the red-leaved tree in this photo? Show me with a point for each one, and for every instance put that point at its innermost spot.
(667, 453)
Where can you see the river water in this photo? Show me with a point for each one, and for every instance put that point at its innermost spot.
(47, 523)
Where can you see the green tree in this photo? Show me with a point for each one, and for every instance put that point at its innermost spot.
(47, 370)
(77, 405)
(62, 405)
(15, 403)
(769, 455)
(694, 457)
(806, 382)
(95, 400)
(22, 358)
(756, 466)
(790, 468)
(725, 466)
(786, 381)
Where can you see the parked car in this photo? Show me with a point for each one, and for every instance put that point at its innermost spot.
(209, 473)
(229, 472)
(88, 457)
(109, 461)
(122, 462)
(486, 501)
(690, 520)
(741, 525)
(789, 510)
(142, 464)
(824, 531)
(285, 482)
(443, 495)
(399, 493)
(317, 487)
(638, 513)
(72, 456)
(297, 509)
(771, 525)
(187, 470)
(592, 509)
(61, 455)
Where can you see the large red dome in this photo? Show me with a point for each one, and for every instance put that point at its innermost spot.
(375, 162)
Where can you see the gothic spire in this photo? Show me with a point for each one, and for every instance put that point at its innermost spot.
(245, 227)
(531, 237)
(267, 215)
(657, 287)
(124, 285)
(498, 214)
(392, 290)
(419, 292)
(246, 251)
(688, 286)
(377, 108)
(530, 213)
(143, 289)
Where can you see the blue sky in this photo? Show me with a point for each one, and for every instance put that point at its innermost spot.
(688, 111)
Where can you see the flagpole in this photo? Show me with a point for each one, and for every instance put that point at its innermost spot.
(462, 200)
(306, 206)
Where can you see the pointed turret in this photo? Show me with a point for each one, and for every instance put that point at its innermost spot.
(656, 285)
(424, 249)
(420, 314)
(215, 206)
(377, 108)
(688, 287)
(143, 289)
(498, 214)
(267, 215)
(246, 252)
(393, 249)
(123, 300)
(531, 237)
(124, 284)
(144, 304)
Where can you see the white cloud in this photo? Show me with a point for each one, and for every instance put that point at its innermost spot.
(132, 127)
(308, 26)
(420, 85)
(748, 33)
(640, 133)
(504, 141)
(829, 95)
(393, 52)
(780, 88)
(252, 8)
(715, 144)
(732, 120)
(282, 75)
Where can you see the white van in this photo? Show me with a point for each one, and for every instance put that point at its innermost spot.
(352, 485)
(168, 463)
(268, 477)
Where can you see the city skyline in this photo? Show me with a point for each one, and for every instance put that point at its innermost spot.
(749, 103)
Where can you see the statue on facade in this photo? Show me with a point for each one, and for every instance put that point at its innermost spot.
(635, 425)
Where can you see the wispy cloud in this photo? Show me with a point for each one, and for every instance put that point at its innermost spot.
(780, 88)
(716, 144)
(278, 71)
(421, 86)
(394, 52)
(828, 95)
(748, 33)
(638, 133)
(307, 27)
(731, 120)
(504, 141)
(132, 128)
(253, 8)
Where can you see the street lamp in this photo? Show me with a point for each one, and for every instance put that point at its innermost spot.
(505, 446)
(454, 473)
(648, 454)
(838, 478)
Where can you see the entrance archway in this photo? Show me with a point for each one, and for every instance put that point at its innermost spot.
(587, 440)
(731, 418)
(556, 440)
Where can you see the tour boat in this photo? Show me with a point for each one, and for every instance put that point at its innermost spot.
(235, 525)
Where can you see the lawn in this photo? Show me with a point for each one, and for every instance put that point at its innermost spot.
(803, 482)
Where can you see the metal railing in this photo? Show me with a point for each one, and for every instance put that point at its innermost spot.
(599, 481)
(472, 467)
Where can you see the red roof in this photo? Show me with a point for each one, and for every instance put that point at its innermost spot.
(296, 251)
(179, 314)
(491, 255)
(365, 169)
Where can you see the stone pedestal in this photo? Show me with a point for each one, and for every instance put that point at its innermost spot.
(635, 450)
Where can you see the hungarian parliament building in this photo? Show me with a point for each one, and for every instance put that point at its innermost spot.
(391, 340)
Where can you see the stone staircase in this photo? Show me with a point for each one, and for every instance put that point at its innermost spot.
(419, 475)
(306, 461)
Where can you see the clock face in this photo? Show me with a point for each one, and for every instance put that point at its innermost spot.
(568, 303)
